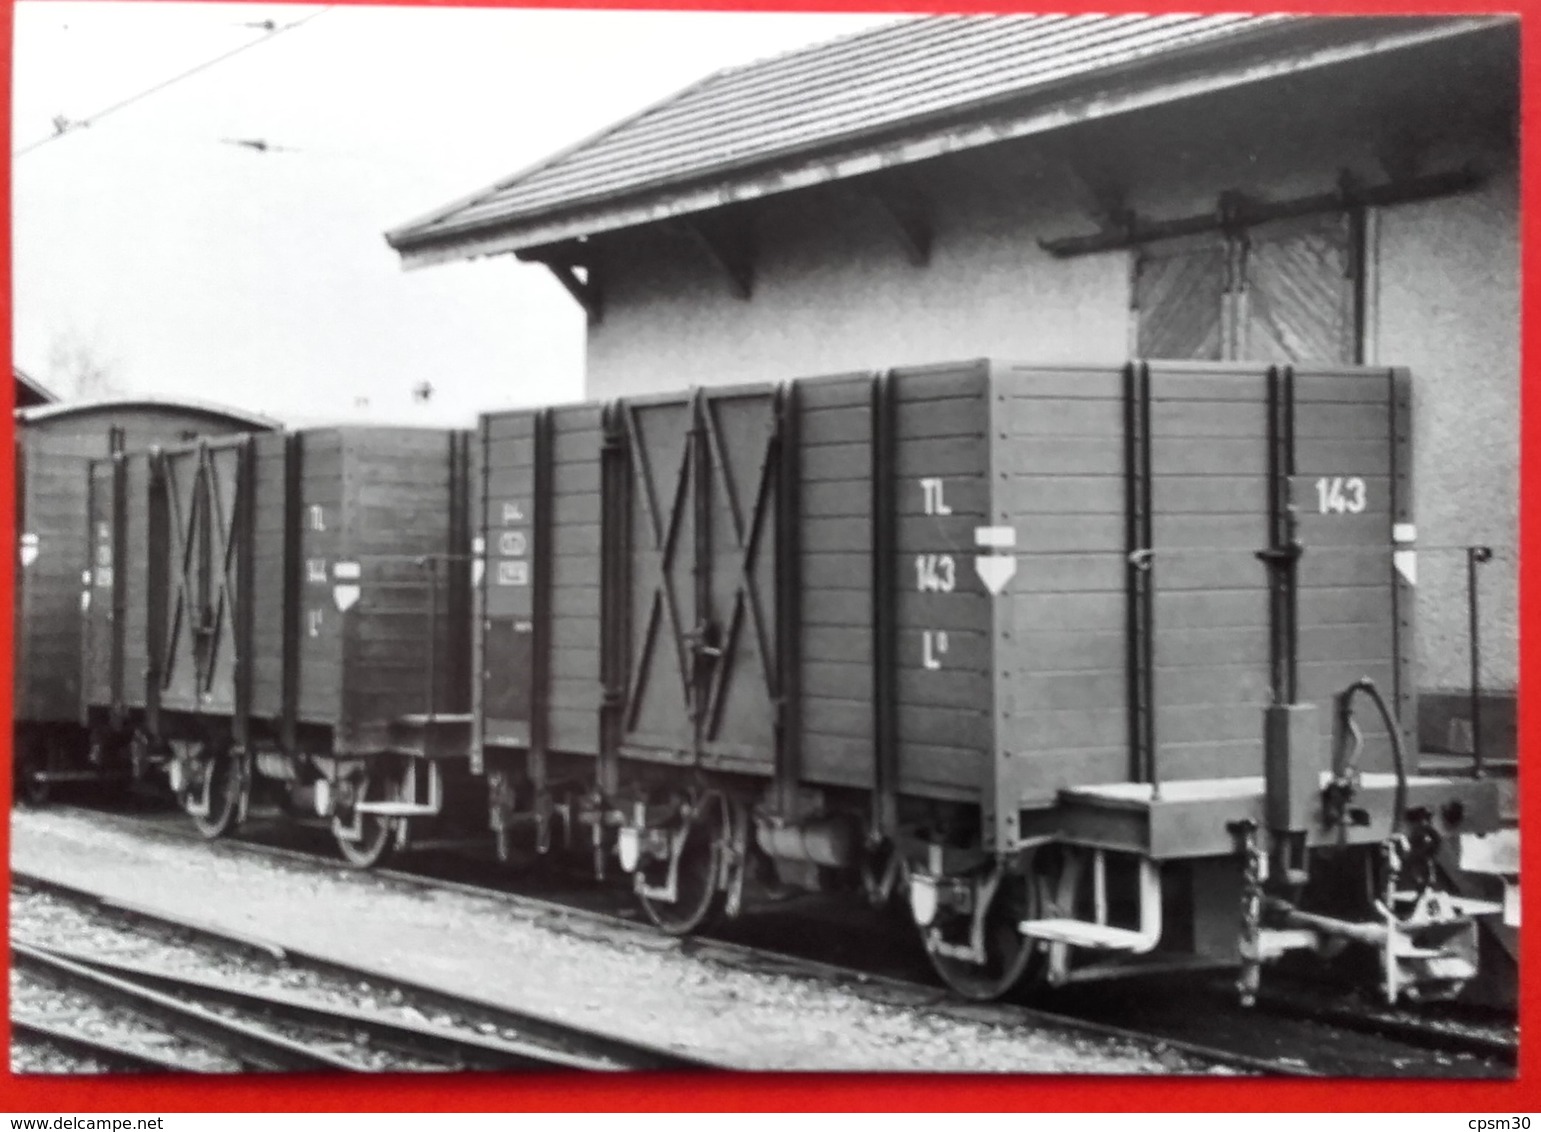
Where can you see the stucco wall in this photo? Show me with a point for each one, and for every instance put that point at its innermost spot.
(833, 291)
(1447, 306)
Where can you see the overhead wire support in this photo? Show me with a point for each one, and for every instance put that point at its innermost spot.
(64, 126)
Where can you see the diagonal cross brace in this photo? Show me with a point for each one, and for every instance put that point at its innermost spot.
(664, 537)
(746, 594)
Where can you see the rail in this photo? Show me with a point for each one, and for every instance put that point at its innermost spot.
(559, 1043)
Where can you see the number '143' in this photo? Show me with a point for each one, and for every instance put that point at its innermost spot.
(1340, 495)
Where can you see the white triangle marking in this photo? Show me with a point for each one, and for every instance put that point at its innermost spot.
(995, 570)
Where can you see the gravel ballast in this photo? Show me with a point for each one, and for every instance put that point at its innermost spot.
(528, 960)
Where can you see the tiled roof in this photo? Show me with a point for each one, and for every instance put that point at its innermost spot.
(819, 99)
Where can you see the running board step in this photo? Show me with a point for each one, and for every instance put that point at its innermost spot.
(1081, 933)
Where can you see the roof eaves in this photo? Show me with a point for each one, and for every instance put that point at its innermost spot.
(423, 226)
(837, 158)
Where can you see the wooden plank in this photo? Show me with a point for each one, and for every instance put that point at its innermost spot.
(1343, 566)
(837, 643)
(575, 571)
(570, 662)
(582, 692)
(1357, 605)
(1088, 689)
(952, 417)
(580, 540)
(575, 478)
(1234, 569)
(1066, 650)
(851, 462)
(1103, 725)
(1056, 456)
(1028, 383)
(1342, 457)
(834, 392)
(849, 572)
(1179, 724)
(941, 382)
(573, 632)
(1095, 421)
(517, 424)
(1208, 646)
(837, 679)
(575, 508)
(1222, 758)
(574, 732)
(568, 419)
(1209, 611)
(570, 601)
(820, 427)
(837, 499)
(964, 649)
(822, 536)
(1172, 381)
(1072, 573)
(928, 724)
(833, 607)
(1032, 495)
(948, 457)
(837, 760)
(924, 766)
(577, 445)
(1210, 420)
(1051, 612)
(1194, 685)
(1197, 534)
(1312, 386)
(1226, 458)
(1341, 421)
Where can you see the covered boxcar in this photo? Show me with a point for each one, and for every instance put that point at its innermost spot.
(1105, 668)
(297, 624)
(53, 446)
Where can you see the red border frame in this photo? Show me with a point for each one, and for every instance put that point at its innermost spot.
(815, 1092)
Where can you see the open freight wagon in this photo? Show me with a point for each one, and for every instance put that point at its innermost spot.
(283, 619)
(1106, 668)
(54, 446)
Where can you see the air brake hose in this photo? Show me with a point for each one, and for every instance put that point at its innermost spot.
(1398, 754)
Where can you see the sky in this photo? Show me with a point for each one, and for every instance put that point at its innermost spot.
(152, 245)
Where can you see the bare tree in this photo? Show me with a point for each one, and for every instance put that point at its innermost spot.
(78, 366)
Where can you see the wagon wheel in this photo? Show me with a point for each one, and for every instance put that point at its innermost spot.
(31, 763)
(376, 836)
(1010, 957)
(699, 897)
(220, 794)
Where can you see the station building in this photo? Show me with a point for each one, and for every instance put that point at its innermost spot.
(1084, 189)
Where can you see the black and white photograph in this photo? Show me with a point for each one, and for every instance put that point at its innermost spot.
(578, 540)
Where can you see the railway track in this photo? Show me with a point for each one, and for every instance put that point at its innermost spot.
(1303, 1039)
(268, 1028)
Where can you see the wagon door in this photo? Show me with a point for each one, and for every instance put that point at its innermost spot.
(199, 489)
(701, 683)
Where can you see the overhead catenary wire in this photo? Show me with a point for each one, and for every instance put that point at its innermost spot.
(65, 127)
